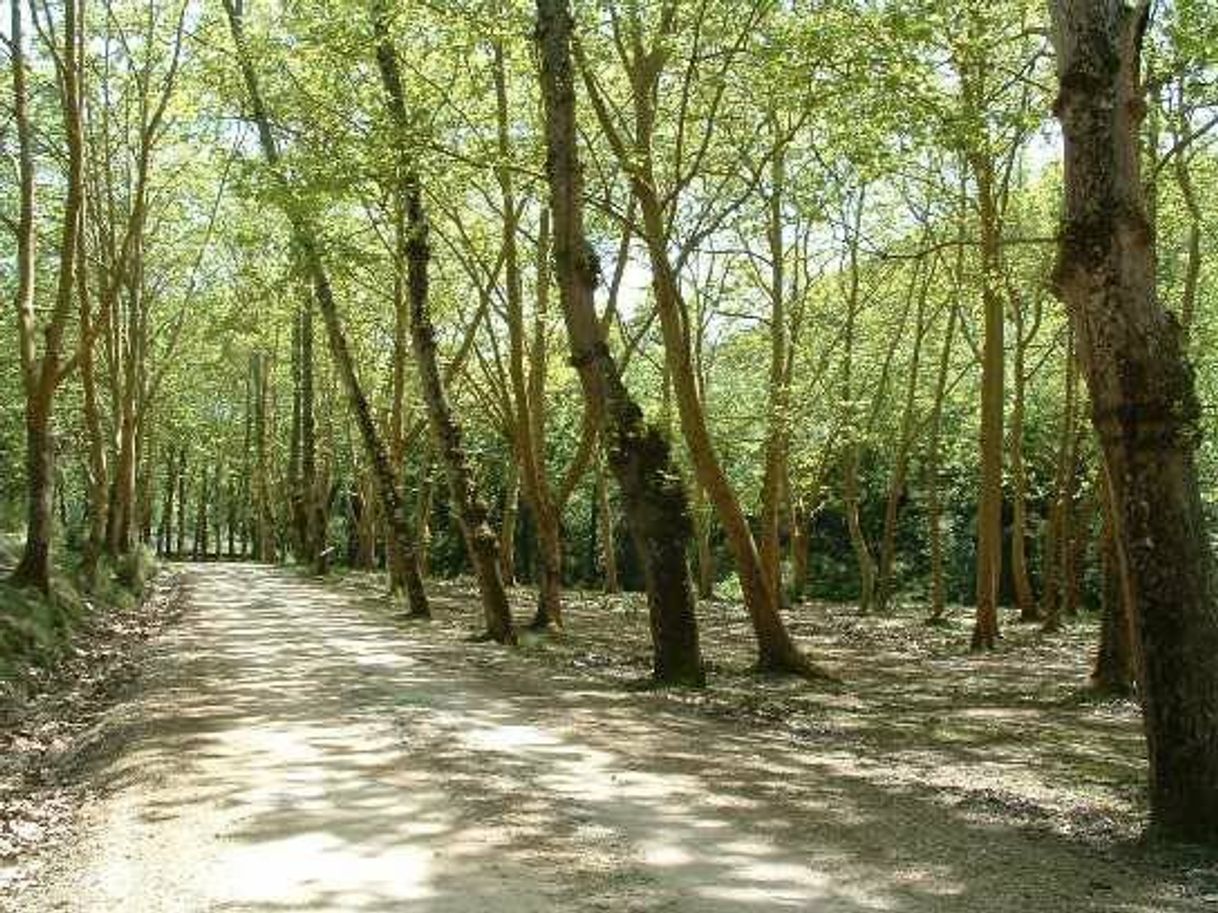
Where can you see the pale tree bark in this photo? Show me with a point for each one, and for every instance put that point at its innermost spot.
(653, 494)
(403, 560)
(1144, 406)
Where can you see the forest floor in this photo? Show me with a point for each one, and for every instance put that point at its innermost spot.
(288, 745)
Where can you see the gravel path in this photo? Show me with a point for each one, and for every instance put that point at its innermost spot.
(290, 750)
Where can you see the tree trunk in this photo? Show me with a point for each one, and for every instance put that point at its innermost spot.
(900, 467)
(1025, 599)
(1113, 671)
(42, 376)
(528, 388)
(989, 509)
(853, 455)
(481, 542)
(403, 561)
(777, 441)
(604, 516)
(1057, 535)
(1144, 406)
(704, 528)
(507, 527)
(653, 494)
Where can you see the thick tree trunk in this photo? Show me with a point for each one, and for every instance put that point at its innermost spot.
(1144, 406)
(653, 494)
(34, 568)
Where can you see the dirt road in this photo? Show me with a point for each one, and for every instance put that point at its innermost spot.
(288, 749)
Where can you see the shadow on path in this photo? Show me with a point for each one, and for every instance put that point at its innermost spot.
(288, 751)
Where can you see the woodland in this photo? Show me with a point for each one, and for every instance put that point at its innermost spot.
(903, 308)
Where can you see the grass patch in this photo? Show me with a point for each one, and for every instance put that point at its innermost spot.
(36, 630)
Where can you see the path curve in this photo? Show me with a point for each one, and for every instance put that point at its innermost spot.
(288, 749)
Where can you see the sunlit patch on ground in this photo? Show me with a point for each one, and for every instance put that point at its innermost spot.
(293, 749)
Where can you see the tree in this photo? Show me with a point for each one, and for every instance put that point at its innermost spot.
(653, 493)
(1144, 404)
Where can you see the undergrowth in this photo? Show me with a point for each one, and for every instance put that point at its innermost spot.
(36, 630)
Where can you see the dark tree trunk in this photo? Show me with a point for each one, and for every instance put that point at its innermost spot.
(473, 515)
(34, 569)
(1144, 406)
(653, 494)
(1113, 672)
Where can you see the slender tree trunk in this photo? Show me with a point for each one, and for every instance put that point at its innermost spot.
(1025, 599)
(199, 551)
(171, 488)
(181, 549)
(1144, 406)
(704, 528)
(96, 480)
(900, 468)
(481, 542)
(989, 509)
(42, 376)
(778, 392)
(403, 560)
(653, 494)
(604, 516)
(528, 388)
(507, 529)
(1057, 536)
(853, 455)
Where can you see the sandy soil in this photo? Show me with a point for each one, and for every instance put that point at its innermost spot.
(292, 748)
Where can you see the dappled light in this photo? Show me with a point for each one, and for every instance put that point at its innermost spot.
(307, 754)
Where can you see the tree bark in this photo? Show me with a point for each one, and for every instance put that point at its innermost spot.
(528, 388)
(473, 515)
(989, 509)
(41, 377)
(403, 561)
(653, 494)
(1144, 406)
